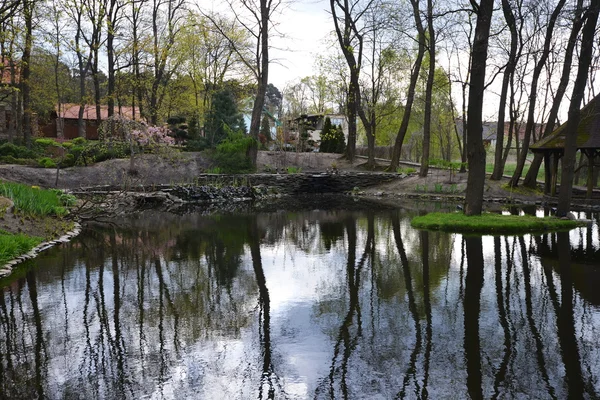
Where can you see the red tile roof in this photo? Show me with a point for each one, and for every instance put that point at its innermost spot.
(71, 111)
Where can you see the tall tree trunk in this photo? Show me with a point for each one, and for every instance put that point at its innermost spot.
(568, 161)
(263, 78)
(514, 182)
(475, 149)
(428, 92)
(508, 72)
(28, 6)
(531, 177)
(110, 52)
(410, 97)
(350, 40)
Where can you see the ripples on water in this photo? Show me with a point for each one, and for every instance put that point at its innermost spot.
(319, 304)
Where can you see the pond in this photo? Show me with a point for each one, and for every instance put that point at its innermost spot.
(321, 304)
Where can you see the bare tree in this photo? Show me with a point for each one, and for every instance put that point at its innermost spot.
(347, 15)
(428, 91)
(410, 97)
(531, 177)
(167, 16)
(256, 18)
(508, 73)
(533, 93)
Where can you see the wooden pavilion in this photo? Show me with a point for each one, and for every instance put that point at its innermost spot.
(588, 143)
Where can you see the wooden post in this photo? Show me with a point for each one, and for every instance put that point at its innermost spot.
(547, 172)
(555, 158)
(590, 173)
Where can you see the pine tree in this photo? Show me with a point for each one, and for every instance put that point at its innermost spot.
(327, 136)
(223, 113)
(265, 129)
(340, 140)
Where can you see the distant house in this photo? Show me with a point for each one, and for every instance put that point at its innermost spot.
(315, 123)
(69, 114)
(489, 131)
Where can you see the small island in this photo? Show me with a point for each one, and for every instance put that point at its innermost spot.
(495, 224)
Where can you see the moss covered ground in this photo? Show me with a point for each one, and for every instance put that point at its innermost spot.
(491, 223)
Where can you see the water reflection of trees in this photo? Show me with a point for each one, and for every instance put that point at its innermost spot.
(140, 310)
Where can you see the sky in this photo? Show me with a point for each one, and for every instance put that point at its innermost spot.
(305, 27)
(301, 32)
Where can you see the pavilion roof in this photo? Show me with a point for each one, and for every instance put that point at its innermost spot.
(588, 131)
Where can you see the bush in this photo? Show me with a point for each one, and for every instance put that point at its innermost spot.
(102, 151)
(68, 161)
(47, 162)
(231, 154)
(46, 142)
(197, 144)
(10, 149)
(20, 161)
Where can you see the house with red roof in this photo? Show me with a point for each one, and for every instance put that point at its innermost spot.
(69, 116)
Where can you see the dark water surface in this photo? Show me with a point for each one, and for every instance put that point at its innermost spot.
(305, 305)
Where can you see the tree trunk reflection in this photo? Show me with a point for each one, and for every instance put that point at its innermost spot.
(473, 286)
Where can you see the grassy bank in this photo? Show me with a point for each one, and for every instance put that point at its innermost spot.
(491, 223)
(37, 215)
(12, 246)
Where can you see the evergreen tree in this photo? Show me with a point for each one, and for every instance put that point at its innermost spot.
(223, 113)
(265, 129)
(327, 137)
(340, 140)
(332, 138)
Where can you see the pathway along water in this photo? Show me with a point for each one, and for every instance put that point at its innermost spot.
(316, 304)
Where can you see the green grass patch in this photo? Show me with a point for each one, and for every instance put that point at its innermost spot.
(491, 223)
(509, 170)
(31, 200)
(12, 246)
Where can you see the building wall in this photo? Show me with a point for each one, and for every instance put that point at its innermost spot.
(70, 129)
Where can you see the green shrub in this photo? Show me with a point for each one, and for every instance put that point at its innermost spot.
(78, 141)
(46, 142)
(20, 161)
(9, 149)
(47, 162)
(214, 170)
(68, 160)
(231, 154)
(102, 151)
(65, 199)
(294, 170)
(197, 144)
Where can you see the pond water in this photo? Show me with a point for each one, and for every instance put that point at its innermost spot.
(323, 304)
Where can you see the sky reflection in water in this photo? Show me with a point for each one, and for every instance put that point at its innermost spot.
(321, 304)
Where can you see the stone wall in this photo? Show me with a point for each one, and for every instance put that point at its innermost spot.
(285, 184)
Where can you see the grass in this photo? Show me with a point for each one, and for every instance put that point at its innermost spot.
(12, 246)
(491, 223)
(31, 200)
(405, 170)
(509, 170)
